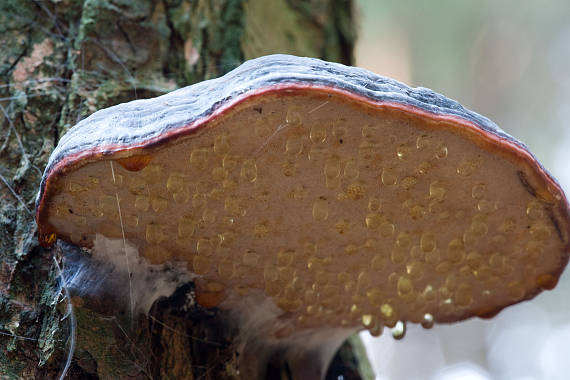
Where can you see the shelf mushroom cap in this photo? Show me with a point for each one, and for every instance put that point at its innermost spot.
(344, 198)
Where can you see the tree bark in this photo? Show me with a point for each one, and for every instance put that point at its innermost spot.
(62, 60)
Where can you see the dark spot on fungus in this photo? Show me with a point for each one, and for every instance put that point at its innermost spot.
(526, 184)
(556, 224)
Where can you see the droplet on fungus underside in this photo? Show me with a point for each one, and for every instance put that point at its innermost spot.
(364, 203)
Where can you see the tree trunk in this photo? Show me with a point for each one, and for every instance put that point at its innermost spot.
(62, 60)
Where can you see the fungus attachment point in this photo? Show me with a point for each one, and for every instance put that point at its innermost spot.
(351, 201)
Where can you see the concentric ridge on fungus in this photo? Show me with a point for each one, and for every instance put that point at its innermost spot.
(345, 198)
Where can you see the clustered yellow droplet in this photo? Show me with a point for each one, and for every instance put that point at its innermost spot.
(390, 224)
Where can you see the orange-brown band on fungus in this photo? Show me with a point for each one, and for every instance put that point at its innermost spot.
(135, 163)
(209, 294)
(547, 281)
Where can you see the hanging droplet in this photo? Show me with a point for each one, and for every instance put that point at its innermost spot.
(427, 321)
(399, 331)
(389, 177)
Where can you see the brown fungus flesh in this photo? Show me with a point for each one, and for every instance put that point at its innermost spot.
(344, 209)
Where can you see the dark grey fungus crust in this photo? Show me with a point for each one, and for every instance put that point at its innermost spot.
(139, 122)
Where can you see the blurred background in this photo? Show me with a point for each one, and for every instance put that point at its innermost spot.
(510, 61)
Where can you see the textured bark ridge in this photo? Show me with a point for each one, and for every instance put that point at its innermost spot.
(62, 61)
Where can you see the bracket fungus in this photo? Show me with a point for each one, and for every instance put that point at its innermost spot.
(343, 199)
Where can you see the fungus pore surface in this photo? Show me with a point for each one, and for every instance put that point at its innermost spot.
(344, 208)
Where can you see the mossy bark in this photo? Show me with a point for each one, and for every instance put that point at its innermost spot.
(61, 60)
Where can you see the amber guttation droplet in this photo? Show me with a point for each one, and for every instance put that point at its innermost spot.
(317, 153)
(467, 167)
(370, 131)
(373, 221)
(181, 197)
(285, 257)
(546, 281)
(367, 320)
(408, 183)
(204, 247)
(516, 290)
(485, 206)
(423, 142)
(376, 330)
(478, 191)
(386, 229)
(540, 231)
(332, 168)
(415, 270)
(463, 295)
(423, 168)
(175, 183)
(260, 230)
(221, 144)
(455, 250)
(201, 264)
(108, 205)
(403, 152)
(199, 158)
(404, 240)
(318, 133)
(339, 131)
(154, 233)
(378, 262)
(374, 204)
(138, 186)
(368, 150)
(156, 254)
(534, 210)
(152, 173)
(388, 314)
(294, 145)
(437, 191)
(185, 226)
(320, 210)
(226, 268)
(399, 255)
(158, 204)
(351, 170)
(293, 117)
(428, 242)
(405, 286)
(389, 177)
(441, 152)
(135, 163)
(272, 288)
(249, 170)
(432, 257)
(250, 258)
